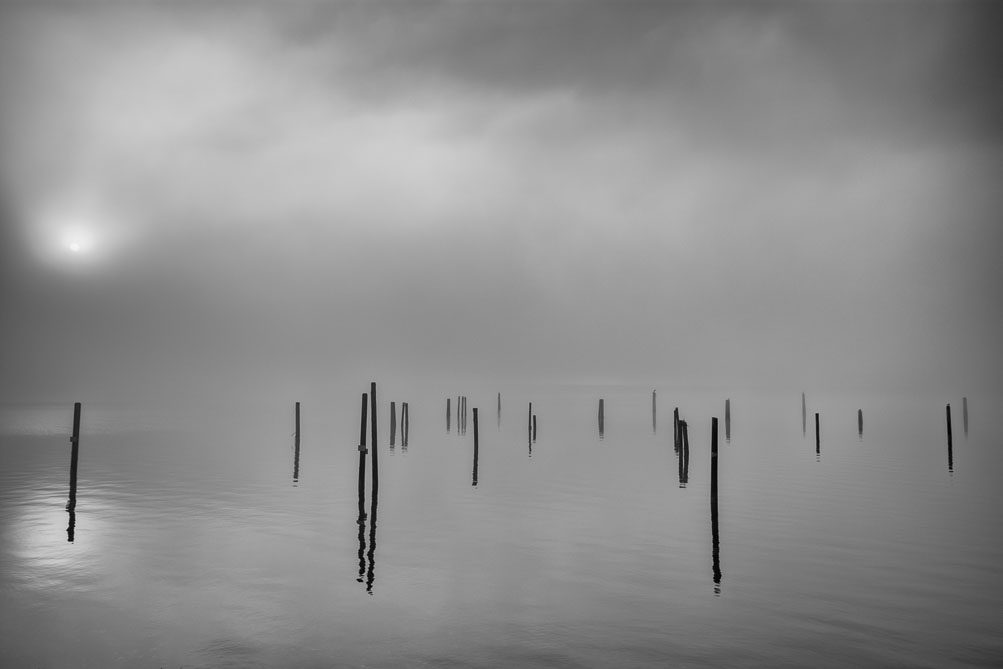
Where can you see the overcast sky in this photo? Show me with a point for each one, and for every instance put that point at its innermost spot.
(199, 196)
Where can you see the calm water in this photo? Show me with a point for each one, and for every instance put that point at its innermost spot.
(193, 545)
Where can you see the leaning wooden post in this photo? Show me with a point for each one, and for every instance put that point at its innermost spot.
(684, 429)
(71, 504)
(817, 438)
(476, 447)
(362, 457)
(393, 422)
(727, 419)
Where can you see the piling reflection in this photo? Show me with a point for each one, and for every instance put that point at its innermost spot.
(71, 527)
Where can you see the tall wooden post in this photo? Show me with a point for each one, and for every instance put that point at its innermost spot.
(602, 418)
(654, 411)
(860, 422)
(296, 455)
(447, 414)
(950, 441)
(362, 457)
(727, 419)
(71, 504)
(534, 428)
(817, 437)
(499, 409)
(393, 422)
(715, 536)
(372, 440)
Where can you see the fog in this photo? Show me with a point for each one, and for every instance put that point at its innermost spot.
(199, 198)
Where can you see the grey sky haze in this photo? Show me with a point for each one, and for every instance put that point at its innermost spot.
(275, 194)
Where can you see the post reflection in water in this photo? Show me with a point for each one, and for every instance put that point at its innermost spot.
(71, 527)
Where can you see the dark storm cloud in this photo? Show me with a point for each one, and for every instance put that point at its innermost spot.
(561, 189)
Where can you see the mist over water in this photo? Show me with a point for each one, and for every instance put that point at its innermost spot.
(193, 545)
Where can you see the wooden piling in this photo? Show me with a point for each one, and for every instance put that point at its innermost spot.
(602, 418)
(499, 409)
(529, 422)
(405, 424)
(362, 456)
(654, 412)
(372, 437)
(950, 442)
(464, 414)
(476, 446)
(447, 414)
(296, 455)
(727, 419)
(715, 536)
(393, 421)
(817, 437)
(534, 428)
(860, 422)
(71, 504)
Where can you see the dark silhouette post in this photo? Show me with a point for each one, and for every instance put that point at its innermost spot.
(950, 442)
(818, 449)
(362, 457)
(683, 457)
(371, 571)
(602, 418)
(684, 431)
(405, 424)
(393, 421)
(458, 410)
(296, 456)
(447, 414)
(715, 537)
(529, 423)
(727, 419)
(534, 428)
(71, 504)
(372, 440)
(964, 414)
(499, 409)
(654, 411)
(476, 447)
(860, 422)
